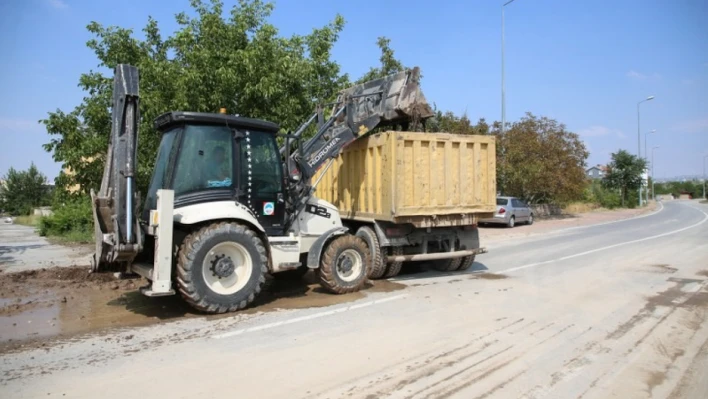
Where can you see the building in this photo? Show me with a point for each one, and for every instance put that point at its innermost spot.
(596, 172)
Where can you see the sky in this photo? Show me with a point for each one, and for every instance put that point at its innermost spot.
(585, 64)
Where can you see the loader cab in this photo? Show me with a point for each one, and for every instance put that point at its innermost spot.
(218, 157)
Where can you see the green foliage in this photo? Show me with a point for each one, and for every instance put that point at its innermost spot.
(23, 191)
(73, 219)
(677, 187)
(449, 122)
(239, 62)
(389, 63)
(540, 161)
(624, 172)
(596, 193)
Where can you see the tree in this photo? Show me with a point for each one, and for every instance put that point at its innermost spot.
(23, 191)
(389, 63)
(624, 172)
(239, 62)
(451, 123)
(541, 161)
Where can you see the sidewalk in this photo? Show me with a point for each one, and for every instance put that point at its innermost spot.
(502, 233)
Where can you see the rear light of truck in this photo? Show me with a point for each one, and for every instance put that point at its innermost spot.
(395, 232)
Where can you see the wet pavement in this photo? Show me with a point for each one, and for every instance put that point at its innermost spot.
(62, 302)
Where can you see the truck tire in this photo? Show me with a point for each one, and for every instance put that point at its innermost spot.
(378, 263)
(344, 265)
(467, 262)
(393, 268)
(447, 265)
(221, 267)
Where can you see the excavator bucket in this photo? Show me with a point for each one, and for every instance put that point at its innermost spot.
(393, 99)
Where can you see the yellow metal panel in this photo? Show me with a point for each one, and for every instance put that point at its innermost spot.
(408, 176)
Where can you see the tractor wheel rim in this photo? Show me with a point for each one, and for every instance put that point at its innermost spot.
(227, 268)
(349, 265)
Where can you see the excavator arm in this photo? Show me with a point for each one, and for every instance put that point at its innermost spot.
(118, 235)
(393, 99)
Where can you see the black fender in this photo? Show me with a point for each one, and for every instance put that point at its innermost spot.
(315, 253)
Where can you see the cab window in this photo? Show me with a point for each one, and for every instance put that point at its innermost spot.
(205, 160)
(260, 164)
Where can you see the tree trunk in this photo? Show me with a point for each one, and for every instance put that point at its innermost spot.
(624, 193)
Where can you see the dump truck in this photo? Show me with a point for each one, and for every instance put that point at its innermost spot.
(227, 205)
(414, 196)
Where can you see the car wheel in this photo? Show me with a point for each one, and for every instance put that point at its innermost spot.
(511, 222)
(530, 222)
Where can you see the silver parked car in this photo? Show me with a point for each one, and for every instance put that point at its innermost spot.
(510, 210)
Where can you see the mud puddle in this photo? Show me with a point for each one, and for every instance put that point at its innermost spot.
(663, 268)
(489, 276)
(63, 302)
(307, 293)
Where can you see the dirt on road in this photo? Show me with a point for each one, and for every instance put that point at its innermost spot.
(60, 302)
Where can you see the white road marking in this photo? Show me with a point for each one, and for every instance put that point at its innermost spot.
(606, 223)
(308, 317)
(513, 269)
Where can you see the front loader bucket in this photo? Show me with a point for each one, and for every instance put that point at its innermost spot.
(395, 98)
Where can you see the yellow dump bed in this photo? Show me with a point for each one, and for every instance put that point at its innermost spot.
(427, 179)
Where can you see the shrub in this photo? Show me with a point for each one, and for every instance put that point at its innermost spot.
(606, 198)
(72, 220)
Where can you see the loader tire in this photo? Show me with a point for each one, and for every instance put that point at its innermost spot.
(467, 262)
(378, 261)
(344, 265)
(221, 267)
(393, 268)
(447, 265)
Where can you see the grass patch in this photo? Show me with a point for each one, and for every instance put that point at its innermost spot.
(28, 220)
(72, 237)
(581, 207)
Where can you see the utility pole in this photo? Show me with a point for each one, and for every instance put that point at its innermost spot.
(503, 91)
(704, 176)
(653, 193)
(639, 145)
(646, 157)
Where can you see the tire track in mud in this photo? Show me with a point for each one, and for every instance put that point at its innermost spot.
(672, 298)
(419, 366)
(453, 370)
(594, 351)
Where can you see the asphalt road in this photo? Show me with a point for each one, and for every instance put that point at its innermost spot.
(22, 249)
(613, 310)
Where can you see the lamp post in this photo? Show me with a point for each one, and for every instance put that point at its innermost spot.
(503, 125)
(646, 155)
(653, 194)
(639, 143)
(704, 176)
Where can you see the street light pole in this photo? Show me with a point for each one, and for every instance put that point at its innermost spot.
(704, 176)
(503, 124)
(653, 193)
(639, 144)
(646, 155)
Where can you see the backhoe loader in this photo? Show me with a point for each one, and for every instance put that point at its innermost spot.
(226, 206)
